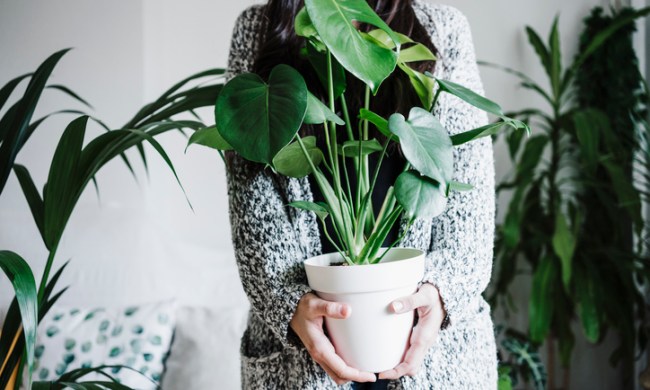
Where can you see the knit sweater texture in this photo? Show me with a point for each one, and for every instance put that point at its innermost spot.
(271, 240)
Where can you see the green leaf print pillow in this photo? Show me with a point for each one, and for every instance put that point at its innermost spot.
(138, 337)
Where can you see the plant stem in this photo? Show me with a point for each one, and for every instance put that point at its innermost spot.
(435, 98)
(399, 239)
(346, 117)
(46, 272)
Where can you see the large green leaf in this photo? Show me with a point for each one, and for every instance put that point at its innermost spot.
(62, 188)
(541, 299)
(291, 160)
(22, 279)
(425, 144)
(259, 119)
(527, 358)
(15, 122)
(320, 209)
(334, 21)
(420, 196)
(564, 245)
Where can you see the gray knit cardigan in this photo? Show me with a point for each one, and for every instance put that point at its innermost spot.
(271, 240)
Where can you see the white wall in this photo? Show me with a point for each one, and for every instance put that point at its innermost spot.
(141, 242)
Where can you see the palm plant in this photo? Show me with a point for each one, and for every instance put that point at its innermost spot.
(573, 162)
(72, 168)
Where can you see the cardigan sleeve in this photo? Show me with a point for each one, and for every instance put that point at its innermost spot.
(459, 262)
(267, 251)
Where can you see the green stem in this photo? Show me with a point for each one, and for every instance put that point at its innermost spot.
(46, 272)
(399, 239)
(435, 98)
(346, 117)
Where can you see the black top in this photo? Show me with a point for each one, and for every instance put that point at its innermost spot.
(391, 167)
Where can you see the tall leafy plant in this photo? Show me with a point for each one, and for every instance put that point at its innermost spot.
(260, 120)
(569, 181)
(74, 166)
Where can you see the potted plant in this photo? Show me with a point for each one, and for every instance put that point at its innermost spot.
(261, 121)
(72, 168)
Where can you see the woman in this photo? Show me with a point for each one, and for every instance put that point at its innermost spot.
(284, 346)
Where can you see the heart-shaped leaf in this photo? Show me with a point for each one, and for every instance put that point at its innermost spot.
(258, 119)
(425, 143)
(334, 21)
(291, 160)
(420, 196)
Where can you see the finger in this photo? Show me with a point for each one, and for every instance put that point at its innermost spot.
(421, 298)
(423, 337)
(339, 381)
(325, 354)
(322, 308)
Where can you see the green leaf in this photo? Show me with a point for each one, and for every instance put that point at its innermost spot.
(540, 49)
(505, 382)
(32, 196)
(471, 135)
(15, 122)
(425, 144)
(380, 123)
(541, 299)
(318, 61)
(416, 53)
(531, 156)
(588, 309)
(422, 84)
(588, 127)
(605, 34)
(291, 160)
(320, 209)
(303, 25)
(471, 97)
(564, 245)
(456, 186)
(8, 88)
(318, 112)
(420, 196)
(62, 190)
(259, 119)
(210, 137)
(385, 40)
(334, 21)
(21, 277)
(351, 148)
(526, 358)
(555, 58)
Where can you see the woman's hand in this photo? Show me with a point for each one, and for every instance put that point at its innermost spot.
(307, 323)
(431, 313)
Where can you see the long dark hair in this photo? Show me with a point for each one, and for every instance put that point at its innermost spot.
(281, 45)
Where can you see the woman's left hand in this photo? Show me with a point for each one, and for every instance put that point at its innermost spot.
(431, 313)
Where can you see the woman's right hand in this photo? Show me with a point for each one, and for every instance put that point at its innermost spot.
(307, 323)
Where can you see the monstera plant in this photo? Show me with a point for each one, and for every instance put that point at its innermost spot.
(261, 121)
(74, 166)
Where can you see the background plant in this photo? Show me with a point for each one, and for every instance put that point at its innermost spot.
(569, 190)
(72, 168)
(272, 112)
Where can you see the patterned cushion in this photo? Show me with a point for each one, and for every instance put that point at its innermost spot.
(138, 337)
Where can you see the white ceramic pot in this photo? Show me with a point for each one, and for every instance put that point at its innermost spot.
(372, 338)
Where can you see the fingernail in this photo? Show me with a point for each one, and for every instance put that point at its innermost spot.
(398, 306)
